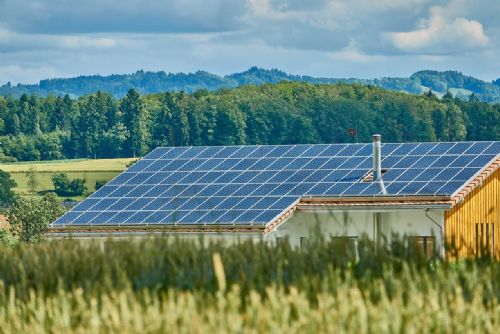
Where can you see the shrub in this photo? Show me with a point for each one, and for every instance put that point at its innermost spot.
(6, 238)
(100, 183)
(6, 159)
(30, 217)
(131, 163)
(65, 187)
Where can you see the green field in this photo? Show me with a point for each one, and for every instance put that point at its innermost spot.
(89, 169)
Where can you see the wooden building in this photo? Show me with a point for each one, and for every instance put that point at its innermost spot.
(472, 222)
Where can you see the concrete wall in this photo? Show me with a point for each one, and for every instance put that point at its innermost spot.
(355, 223)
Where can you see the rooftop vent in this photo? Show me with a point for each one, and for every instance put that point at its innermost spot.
(377, 158)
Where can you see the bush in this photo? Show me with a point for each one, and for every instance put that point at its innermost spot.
(131, 163)
(6, 238)
(3, 235)
(30, 217)
(7, 159)
(65, 187)
(100, 183)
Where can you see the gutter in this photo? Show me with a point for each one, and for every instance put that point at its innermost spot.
(378, 208)
(441, 230)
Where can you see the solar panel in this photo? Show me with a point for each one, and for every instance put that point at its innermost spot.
(494, 148)
(255, 184)
(409, 174)
(405, 149)
(103, 217)
(333, 150)
(320, 189)
(373, 189)
(278, 151)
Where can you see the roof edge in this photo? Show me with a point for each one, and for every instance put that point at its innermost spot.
(372, 199)
(155, 228)
(475, 182)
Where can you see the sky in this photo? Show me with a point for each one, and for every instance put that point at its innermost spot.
(42, 39)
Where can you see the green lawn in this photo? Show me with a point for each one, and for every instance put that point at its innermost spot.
(91, 170)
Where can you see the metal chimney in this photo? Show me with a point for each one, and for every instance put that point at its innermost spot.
(377, 158)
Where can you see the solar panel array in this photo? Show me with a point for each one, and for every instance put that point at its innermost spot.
(256, 184)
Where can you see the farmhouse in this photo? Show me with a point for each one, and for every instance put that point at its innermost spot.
(436, 193)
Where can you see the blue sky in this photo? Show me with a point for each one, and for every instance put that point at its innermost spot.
(330, 38)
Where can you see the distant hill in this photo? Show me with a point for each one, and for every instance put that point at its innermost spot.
(152, 82)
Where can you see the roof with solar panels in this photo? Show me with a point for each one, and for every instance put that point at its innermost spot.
(253, 187)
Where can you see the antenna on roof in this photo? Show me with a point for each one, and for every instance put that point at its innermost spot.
(377, 162)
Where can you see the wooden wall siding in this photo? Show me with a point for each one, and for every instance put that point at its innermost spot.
(482, 207)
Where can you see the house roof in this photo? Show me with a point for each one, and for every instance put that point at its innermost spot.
(259, 185)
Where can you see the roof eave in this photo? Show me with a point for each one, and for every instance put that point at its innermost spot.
(159, 229)
(476, 181)
(375, 198)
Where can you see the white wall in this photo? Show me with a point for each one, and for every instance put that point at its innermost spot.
(354, 223)
(334, 222)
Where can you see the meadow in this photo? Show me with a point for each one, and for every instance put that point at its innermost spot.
(89, 169)
(155, 285)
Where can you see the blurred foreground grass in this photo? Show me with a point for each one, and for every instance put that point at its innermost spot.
(157, 285)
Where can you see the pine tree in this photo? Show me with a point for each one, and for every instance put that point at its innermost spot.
(90, 127)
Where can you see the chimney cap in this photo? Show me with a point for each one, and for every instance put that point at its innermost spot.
(377, 137)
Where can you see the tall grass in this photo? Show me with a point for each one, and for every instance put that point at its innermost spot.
(181, 286)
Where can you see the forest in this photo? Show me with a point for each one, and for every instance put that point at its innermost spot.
(99, 125)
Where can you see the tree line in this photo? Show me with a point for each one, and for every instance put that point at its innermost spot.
(101, 126)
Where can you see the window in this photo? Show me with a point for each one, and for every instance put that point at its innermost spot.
(303, 242)
(485, 238)
(424, 244)
(349, 244)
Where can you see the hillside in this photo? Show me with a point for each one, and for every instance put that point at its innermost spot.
(153, 82)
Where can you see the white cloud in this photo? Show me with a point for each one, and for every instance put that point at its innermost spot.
(11, 41)
(76, 42)
(442, 35)
(352, 54)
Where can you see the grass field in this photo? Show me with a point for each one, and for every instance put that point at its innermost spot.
(161, 285)
(91, 170)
